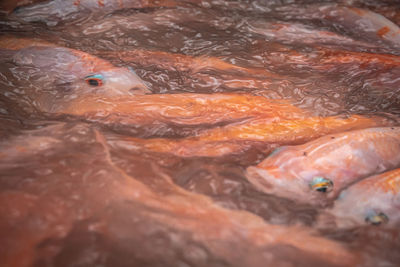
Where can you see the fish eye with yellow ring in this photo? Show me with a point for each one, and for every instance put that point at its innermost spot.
(377, 218)
(95, 80)
(321, 184)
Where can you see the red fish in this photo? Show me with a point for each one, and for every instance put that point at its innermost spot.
(63, 74)
(183, 109)
(180, 62)
(375, 200)
(319, 170)
(236, 138)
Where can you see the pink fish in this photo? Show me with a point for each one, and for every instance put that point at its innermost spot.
(53, 11)
(298, 33)
(318, 170)
(58, 74)
(359, 23)
(375, 200)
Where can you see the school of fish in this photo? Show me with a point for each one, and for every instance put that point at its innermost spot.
(136, 139)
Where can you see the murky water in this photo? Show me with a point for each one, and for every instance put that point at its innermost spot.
(153, 173)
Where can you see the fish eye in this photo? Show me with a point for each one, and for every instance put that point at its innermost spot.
(377, 218)
(321, 184)
(94, 80)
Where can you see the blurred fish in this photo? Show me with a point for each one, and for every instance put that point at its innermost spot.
(239, 137)
(9, 5)
(317, 171)
(53, 11)
(298, 33)
(375, 200)
(57, 75)
(183, 63)
(359, 23)
(182, 109)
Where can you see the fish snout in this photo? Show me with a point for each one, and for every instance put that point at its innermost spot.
(139, 90)
(256, 178)
(272, 181)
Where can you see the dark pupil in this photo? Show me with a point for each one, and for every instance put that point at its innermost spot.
(322, 189)
(93, 82)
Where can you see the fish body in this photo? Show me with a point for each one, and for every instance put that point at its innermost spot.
(186, 108)
(318, 170)
(58, 74)
(369, 24)
(299, 33)
(357, 22)
(53, 11)
(239, 137)
(374, 200)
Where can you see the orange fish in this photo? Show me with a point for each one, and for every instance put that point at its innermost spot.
(183, 109)
(320, 169)
(180, 62)
(375, 200)
(65, 73)
(236, 138)
(360, 23)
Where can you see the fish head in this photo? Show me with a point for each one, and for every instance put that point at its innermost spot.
(354, 208)
(288, 185)
(286, 174)
(112, 82)
(60, 74)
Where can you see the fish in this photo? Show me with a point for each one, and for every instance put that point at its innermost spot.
(372, 201)
(53, 192)
(317, 171)
(8, 6)
(56, 75)
(182, 109)
(236, 138)
(234, 76)
(360, 23)
(298, 33)
(52, 12)
(185, 63)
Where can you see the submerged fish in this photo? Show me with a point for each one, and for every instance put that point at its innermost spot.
(359, 23)
(184, 63)
(53, 11)
(239, 137)
(183, 109)
(298, 33)
(57, 75)
(9, 5)
(319, 170)
(375, 200)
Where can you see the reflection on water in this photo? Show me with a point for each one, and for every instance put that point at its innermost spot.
(127, 128)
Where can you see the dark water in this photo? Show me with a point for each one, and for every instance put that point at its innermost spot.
(84, 189)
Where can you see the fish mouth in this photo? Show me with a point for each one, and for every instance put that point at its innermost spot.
(268, 181)
(139, 90)
(255, 176)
